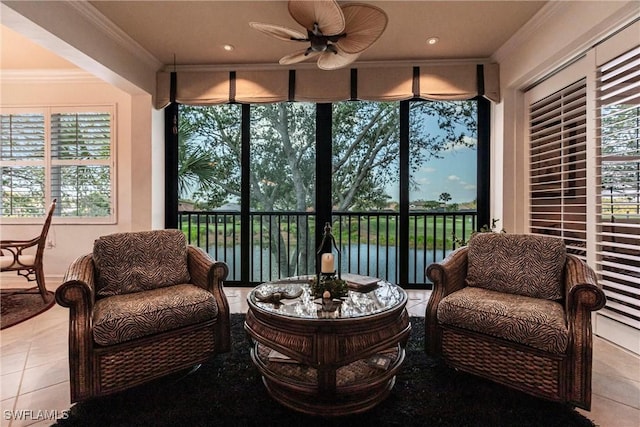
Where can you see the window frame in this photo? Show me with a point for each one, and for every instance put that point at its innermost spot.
(48, 162)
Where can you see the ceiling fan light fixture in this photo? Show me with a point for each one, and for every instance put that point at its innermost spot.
(337, 33)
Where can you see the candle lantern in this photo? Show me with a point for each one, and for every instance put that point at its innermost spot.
(325, 259)
(328, 274)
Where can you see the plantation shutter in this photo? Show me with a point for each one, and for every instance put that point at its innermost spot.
(22, 164)
(618, 238)
(557, 157)
(80, 163)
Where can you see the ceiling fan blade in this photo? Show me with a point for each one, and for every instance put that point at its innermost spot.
(364, 24)
(299, 56)
(282, 33)
(326, 13)
(333, 61)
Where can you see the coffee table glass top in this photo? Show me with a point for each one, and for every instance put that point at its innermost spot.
(384, 296)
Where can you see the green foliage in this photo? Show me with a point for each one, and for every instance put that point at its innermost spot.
(484, 229)
(337, 288)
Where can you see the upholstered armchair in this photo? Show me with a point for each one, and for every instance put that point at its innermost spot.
(142, 305)
(516, 309)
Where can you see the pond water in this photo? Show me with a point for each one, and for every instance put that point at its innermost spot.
(368, 260)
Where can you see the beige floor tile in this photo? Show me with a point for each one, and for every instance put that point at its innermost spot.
(613, 361)
(618, 389)
(13, 362)
(43, 405)
(607, 413)
(417, 310)
(43, 355)
(10, 385)
(417, 295)
(44, 376)
(13, 344)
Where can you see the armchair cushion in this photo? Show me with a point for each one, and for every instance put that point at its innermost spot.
(534, 322)
(140, 261)
(125, 317)
(521, 264)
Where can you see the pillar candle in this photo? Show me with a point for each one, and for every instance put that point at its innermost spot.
(327, 263)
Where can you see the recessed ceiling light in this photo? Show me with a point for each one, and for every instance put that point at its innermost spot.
(228, 47)
(432, 40)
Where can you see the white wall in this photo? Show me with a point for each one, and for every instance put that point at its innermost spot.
(134, 164)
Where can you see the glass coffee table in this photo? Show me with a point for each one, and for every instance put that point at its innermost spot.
(328, 358)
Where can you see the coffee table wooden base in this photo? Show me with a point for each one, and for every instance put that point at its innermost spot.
(359, 386)
(331, 365)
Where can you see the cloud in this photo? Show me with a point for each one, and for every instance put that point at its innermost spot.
(453, 178)
(469, 144)
(470, 187)
(428, 169)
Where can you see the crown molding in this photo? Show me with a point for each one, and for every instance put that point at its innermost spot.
(115, 33)
(606, 28)
(529, 30)
(575, 49)
(48, 76)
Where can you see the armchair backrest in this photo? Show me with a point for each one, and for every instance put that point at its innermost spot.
(521, 264)
(138, 261)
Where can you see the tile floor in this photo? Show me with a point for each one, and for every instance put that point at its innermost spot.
(35, 380)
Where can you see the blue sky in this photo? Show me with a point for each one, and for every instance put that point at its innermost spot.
(455, 174)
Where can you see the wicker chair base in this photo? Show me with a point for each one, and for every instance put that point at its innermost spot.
(519, 367)
(123, 366)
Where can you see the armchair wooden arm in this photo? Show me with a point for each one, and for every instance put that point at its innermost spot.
(447, 277)
(78, 294)
(210, 275)
(15, 247)
(583, 295)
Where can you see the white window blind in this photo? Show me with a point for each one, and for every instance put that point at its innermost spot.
(618, 242)
(62, 153)
(557, 167)
(22, 164)
(80, 163)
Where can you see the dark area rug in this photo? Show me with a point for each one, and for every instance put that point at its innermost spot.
(228, 391)
(18, 305)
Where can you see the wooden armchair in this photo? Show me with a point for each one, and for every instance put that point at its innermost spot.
(142, 305)
(516, 309)
(17, 255)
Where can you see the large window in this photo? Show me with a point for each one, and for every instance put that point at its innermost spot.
(57, 153)
(272, 175)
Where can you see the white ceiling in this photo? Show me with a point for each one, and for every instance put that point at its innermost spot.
(194, 32)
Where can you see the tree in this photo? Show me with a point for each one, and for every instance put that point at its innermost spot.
(445, 197)
(282, 136)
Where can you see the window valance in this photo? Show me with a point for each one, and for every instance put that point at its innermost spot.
(435, 82)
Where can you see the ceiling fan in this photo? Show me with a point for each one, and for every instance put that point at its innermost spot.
(337, 34)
